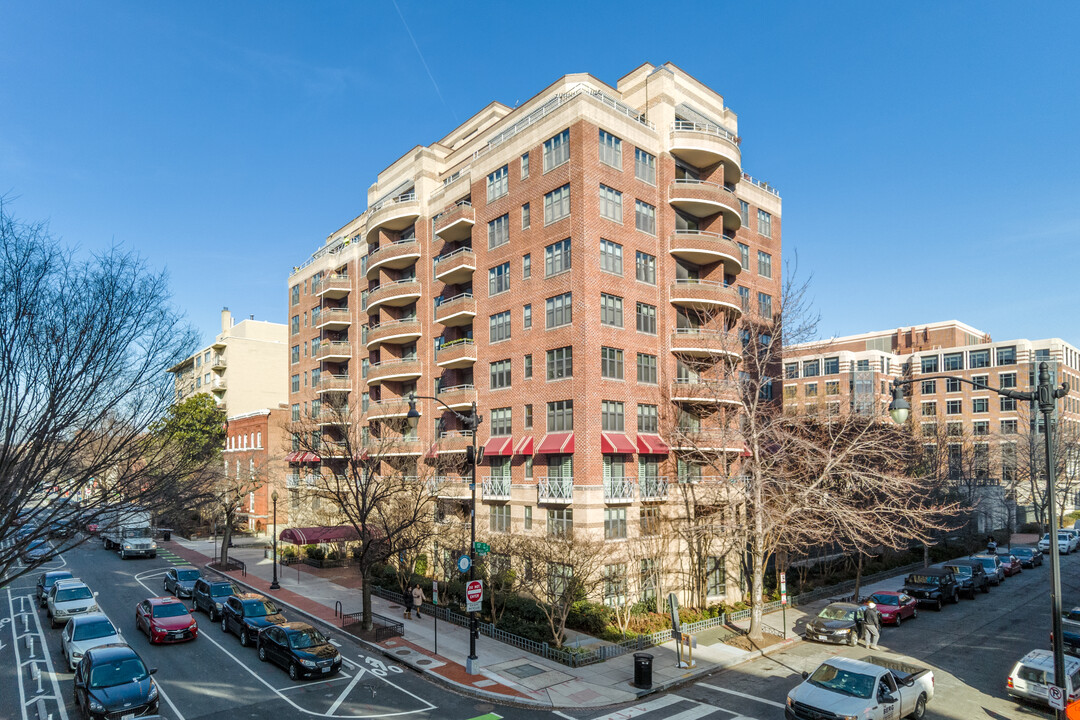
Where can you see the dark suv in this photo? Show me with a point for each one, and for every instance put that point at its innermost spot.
(45, 582)
(248, 614)
(933, 586)
(112, 681)
(210, 596)
(971, 575)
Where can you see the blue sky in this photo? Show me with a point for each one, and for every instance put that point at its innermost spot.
(926, 152)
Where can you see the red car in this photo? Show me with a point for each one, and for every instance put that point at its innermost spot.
(165, 620)
(895, 607)
(1010, 564)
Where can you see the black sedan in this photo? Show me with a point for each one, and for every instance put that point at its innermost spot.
(112, 681)
(36, 551)
(1029, 557)
(839, 622)
(300, 649)
(181, 581)
(247, 615)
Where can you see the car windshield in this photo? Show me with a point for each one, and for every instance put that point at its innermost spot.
(849, 683)
(836, 613)
(961, 569)
(926, 579)
(259, 608)
(173, 609)
(94, 629)
(987, 563)
(221, 590)
(1023, 552)
(128, 670)
(885, 599)
(187, 575)
(50, 581)
(75, 593)
(306, 639)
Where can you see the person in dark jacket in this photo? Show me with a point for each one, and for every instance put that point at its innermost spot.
(871, 629)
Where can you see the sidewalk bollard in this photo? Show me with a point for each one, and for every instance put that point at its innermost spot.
(643, 670)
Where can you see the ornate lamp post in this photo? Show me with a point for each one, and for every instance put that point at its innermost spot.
(274, 584)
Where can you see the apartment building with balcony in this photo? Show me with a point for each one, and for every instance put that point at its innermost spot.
(245, 368)
(577, 266)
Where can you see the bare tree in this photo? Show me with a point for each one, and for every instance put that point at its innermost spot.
(227, 490)
(1028, 457)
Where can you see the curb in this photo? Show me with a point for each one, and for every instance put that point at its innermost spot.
(721, 666)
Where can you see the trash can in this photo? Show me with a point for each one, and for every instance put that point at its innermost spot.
(643, 670)
(166, 535)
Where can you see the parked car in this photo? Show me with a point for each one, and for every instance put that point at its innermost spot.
(210, 596)
(45, 582)
(165, 620)
(181, 581)
(839, 623)
(1010, 564)
(932, 586)
(1064, 543)
(870, 689)
(69, 598)
(61, 529)
(1070, 630)
(1035, 671)
(112, 681)
(992, 565)
(247, 615)
(971, 575)
(300, 649)
(84, 632)
(1029, 557)
(895, 606)
(1074, 538)
(36, 551)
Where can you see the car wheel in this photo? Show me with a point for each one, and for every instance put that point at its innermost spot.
(244, 639)
(986, 587)
(920, 709)
(938, 607)
(294, 672)
(224, 625)
(852, 640)
(915, 612)
(899, 619)
(956, 596)
(262, 653)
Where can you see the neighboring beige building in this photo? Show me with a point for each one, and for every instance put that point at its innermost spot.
(245, 368)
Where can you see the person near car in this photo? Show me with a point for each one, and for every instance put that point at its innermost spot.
(417, 598)
(871, 627)
(991, 544)
(408, 603)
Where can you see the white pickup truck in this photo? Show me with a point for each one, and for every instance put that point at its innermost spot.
(873, 688)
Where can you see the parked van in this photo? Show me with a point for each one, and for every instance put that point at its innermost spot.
(1035, 671)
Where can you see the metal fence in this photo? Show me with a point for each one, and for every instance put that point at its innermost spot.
(384, 627)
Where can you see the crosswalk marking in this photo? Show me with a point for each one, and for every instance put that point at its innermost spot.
(694, 713)
(742, 695)
(641, 709)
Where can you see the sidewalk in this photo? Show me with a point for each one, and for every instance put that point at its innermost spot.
(507, 673)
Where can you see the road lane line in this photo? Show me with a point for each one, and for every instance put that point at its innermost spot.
(340, 676)
(49, 665)
(736, 693)
(563, 715)
(18, 659)
(161, 692)
(345, 693)
(641, 709)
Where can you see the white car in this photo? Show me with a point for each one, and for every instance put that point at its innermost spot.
(87, 631)
(1074, 538)
(1064, 546)
(68, 598)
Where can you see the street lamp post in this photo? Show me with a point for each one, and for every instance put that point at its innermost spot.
(274, 584)
(1046, 396)
(471, 422)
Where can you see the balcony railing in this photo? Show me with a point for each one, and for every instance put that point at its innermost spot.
(333, 285)
(332, 383)
(702, 248)
(458, 310)
(390, 407)
(653, 487)
(457, 353)
(705, 293)
(455, 441)
(555, 489)
(617, 490)
(455, 267)
(398, 254)
(218, 362)
(456, 222)
(706, 391)
(457, 396)
(707, 129)
(334, 350)
(496, 488)
(393, 331)
(395, 212)
(292, 480)
(334, 318)
(394, 369)
(398, 292)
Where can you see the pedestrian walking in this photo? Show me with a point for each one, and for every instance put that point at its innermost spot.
(871, 625)
(418, 598)
(408, 604)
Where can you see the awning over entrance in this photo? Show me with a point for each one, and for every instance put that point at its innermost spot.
(524, 446)
(615, 444)
(292, 457)
(556, 444)
(499, 446)
(315, 535)
(651, 445)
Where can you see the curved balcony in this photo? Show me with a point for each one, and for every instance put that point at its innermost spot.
(706, 392)
(332, 286)
(495, 487)
(397, 255)
(334, 351)
(395, 213)
(219, 385)
(334, 449)
(705, 248)
(390, 407)
(456, 354)
(705, 144)
(334, 319)
(334, 417)
(394, 294)
(706, 295)
(332, 383)
(393, 332)
(456, 222)
(701, 342)
(458, 397)
(400, 446)
(218, 363)
(394, 370)
(555, 490)
(454, 441)
(455, 267)
(716, 441)
(455, 311)
(702, 199)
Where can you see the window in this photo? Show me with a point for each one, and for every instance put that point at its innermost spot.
(499, 279)
(296, 383)
(832, 387)
(560, 522)
(295, 325)
(557, 150)
(646, 369)
(526, 216)
(980, 405)
(645, 217)
(953, 361)
(1007, 380)
(1008, 427)
(1006, 355)
(811, 389)
(764, 264)
(646, 318)
(500, 374)
(610, 150)
(744, 213)
(953, 407)
(764, 302)
(929, 363)
(649, 580)
(978, 359)
(525, 166)
(929, 387)
(764, 223)
(560, 416)
(499, 231)
(295, 354)
(980, 427)
(615, 585)
(528, 367)
(715, 576)
(790, 391)
(611, 416)
(528, 411)
(296, 412)
(365, 399)
(744, 256)
(614, 523)
(528, 515)
(644, 166)
(364, 365)
(499, 327)
(611, 310)
(500, 518)
(611, 363)
(832, 366)
(952, 385)
(791, 371)
(649, 517)
(557, 258)
(500, 421)
(1008, 404)
(648, 419)
(981, 381)
(646, 267)
(558, 311)
(294, 294)
(810, 368)
(929, 409)
(526, 266)
(557, 204)
(560, 363)
(498, 183)
(610, 257)
(610, 203)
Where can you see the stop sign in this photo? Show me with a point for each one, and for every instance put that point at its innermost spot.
(474, 591)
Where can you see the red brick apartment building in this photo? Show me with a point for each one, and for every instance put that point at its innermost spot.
(254, 450)
(560, 264)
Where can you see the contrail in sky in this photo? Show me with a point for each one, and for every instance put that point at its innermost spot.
(422, 60)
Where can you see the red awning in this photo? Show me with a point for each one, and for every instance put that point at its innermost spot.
(499, 446)
(524, 446)
(433, 451)
(556, 444)
(651, 445)
(308, 457)
(746, 452)
(615, 444)
(292, 457)
(315, 535)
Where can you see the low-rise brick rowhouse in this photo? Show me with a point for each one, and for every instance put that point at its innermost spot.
(572, 265)
(253, 455)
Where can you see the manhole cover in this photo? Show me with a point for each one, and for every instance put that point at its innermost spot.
(525, 671)
(403, 652)
(423, 662)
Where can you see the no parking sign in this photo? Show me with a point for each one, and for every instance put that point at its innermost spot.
(1056, 696)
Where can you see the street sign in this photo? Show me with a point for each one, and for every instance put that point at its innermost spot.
(1056, 696)
(783, 588)
(474, 594)
(463, 563)
(481, 548)
(435, 592)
